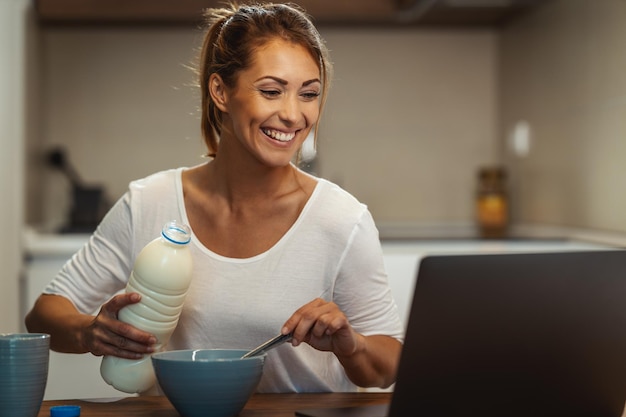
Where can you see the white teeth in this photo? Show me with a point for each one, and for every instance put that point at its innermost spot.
(280, 136)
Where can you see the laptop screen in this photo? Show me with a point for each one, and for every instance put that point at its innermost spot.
(528, 334)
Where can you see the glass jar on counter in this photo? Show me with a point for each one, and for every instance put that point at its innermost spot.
(492, 207)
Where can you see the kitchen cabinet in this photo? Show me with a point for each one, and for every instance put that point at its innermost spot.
(402, 257)
(69, 375)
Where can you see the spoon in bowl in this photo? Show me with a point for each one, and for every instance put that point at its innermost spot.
(270, 344)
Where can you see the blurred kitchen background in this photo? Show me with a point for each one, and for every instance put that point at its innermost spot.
(97, 93)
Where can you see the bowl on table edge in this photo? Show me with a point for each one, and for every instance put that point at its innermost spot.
(207, 382)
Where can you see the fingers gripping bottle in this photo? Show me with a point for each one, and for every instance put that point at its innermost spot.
(161, 274)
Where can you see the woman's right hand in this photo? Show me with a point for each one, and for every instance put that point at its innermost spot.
(106, 335)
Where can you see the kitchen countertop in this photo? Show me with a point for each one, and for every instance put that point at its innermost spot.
(52, 244)
(455, 246)
(465, 232)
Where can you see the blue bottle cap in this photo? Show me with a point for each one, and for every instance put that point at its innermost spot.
(65, 411)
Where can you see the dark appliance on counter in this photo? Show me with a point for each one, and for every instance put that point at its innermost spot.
(89, 202)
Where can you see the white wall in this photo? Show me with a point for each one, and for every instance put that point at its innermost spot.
(563, 71)
(13, 38)
(411, 116)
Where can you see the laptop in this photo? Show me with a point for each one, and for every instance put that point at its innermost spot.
(523, 334)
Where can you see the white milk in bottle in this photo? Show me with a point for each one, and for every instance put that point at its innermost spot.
(161, 274)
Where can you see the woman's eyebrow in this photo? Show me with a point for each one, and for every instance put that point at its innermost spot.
(285, 82)
(309, 82)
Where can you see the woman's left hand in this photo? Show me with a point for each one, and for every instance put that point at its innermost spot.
(324, 326)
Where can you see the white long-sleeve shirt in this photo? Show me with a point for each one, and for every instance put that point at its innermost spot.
(332, 251)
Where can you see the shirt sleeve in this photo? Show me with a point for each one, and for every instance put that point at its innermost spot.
(362, 289)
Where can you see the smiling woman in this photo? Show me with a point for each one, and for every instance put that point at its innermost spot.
(235, 40)
(275, 250)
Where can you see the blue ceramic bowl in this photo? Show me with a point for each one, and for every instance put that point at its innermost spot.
(207, 382)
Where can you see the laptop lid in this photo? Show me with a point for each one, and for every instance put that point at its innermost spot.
(530, 334)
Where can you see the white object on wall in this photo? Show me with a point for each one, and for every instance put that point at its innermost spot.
(520, 139)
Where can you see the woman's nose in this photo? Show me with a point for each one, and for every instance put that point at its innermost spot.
(290, 110)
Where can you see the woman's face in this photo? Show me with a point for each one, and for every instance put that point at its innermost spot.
(274, 104)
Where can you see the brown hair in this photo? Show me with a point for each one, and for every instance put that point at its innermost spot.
(234, 33)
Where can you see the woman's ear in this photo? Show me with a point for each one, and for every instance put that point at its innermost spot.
(217, 90)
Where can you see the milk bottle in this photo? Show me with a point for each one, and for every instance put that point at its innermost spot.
(161, 274)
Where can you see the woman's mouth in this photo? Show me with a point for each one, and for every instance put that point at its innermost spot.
(278, 135)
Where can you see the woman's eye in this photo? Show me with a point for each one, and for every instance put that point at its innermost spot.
(270, 93)
(311, 95)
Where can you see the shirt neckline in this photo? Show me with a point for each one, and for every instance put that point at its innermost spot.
(195, 241)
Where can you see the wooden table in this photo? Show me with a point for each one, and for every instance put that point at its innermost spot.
(260, 405)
